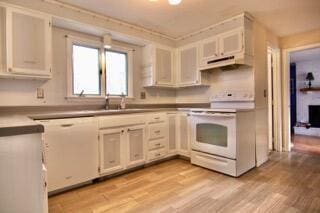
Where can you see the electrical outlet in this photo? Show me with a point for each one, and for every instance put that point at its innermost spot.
(142, 95)
(40, 93)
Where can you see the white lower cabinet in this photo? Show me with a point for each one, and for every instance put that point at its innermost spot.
(82, 149)
(157, 136)
(136, 145)
(172, 137)
(157, 154)
(183, 134)
(112, 150)
(122, 142)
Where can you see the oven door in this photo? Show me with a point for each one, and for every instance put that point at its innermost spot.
(214, 133)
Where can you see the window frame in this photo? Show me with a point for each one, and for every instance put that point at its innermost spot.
(99, 71)
(71, 40)
(128, 52)
(127, 70)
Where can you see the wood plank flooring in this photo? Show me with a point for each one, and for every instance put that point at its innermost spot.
(306, 144)
(287, 183)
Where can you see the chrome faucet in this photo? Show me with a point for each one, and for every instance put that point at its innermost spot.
(107, 103)
(81, 94)
(123, 101)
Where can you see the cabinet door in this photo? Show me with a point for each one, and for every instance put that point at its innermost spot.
(164, 67)
(208, 50)
(136, 145)
(231, 42)
(111, 150)
(188, 66)
(184, 147)
(172, 133)
(28, 38)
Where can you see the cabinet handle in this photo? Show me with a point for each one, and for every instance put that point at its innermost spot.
(112, 161)
(30, 62)
(136, 155)
(10, 69)
(122, 131)
(158, 154)
(157, 132)
(158, 144)
(157, 118)
(66, 125)
(221, 53)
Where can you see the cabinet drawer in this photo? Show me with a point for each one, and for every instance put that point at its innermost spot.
(157, 131)
(157, 118)
(156, 154)
(156, 144)
(120, 120)
(216, 163)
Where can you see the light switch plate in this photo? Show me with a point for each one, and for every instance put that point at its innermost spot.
(40, 93)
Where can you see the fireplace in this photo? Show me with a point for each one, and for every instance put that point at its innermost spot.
(314, 115)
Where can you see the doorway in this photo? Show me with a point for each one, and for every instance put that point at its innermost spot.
(301, 97)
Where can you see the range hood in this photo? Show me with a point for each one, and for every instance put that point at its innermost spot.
(229, 62)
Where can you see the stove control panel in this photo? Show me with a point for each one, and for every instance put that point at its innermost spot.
(232, 96)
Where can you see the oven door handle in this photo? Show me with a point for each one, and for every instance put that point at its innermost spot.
(220, 115)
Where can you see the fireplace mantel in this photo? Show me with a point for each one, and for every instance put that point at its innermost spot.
(312, 89)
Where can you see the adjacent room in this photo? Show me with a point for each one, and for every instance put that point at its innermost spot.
(305, 100)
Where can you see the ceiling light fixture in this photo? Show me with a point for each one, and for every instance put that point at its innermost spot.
(171, 2)
(174, 2)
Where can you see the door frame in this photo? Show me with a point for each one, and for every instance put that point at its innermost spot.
(274, 86)
(286, 92)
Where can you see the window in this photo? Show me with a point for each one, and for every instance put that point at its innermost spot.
(116, 73)
(94, 71)
(86, 70)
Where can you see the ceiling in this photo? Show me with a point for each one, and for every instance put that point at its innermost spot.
(305, 55)
(283, 17)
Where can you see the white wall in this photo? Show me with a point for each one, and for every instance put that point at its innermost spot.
(306, 99)
(15, 92)
(234, 80)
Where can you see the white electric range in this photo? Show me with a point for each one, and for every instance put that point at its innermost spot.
(223, 136)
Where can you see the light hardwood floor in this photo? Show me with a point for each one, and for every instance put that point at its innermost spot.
(287, 183)
(306, 144)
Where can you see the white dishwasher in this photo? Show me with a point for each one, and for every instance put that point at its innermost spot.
(72, 155)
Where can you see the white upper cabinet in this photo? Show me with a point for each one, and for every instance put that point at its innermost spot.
(158, 63)
(225, 49)
(27, 43)
(231, 42)
(188, 73)
(164, 67)
(188, 65)
(208, 50)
